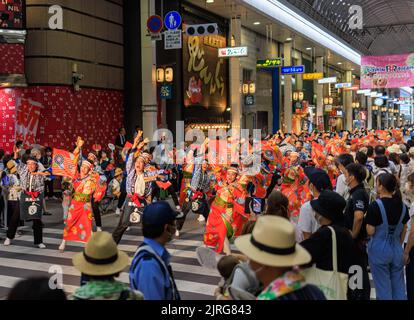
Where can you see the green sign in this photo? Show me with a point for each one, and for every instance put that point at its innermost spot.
(270, 63)
(166, 92)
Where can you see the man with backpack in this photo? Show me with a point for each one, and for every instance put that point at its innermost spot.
(150, 271)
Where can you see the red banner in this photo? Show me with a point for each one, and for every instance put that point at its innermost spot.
(27, 120)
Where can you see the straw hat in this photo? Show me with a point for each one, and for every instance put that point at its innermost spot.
(395, 148)
(273, 243)
(118, 172)
(101, 256)
(11, 166)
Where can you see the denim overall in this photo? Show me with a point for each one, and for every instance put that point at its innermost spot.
(386, 258)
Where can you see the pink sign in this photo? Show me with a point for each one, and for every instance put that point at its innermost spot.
(393, 71)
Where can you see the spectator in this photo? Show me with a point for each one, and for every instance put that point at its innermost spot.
(370, 155)
(406, 170)
(318, 182)
(120, 139)
(273, 253)
(409, 242)
(37, 289)
(277, 205)
(342, 162)
(395, 159)
(356, 208)
(329, 208)
(225, 266)
(386, 226)
(150, 271)
(101, 262)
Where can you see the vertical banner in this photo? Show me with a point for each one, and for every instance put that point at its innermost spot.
(27, 120)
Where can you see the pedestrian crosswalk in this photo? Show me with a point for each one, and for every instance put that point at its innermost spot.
(22, 260)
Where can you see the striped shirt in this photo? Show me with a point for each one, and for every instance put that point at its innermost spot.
(200, 180)
(28, 181)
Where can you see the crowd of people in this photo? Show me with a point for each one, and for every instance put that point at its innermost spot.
(323, 210)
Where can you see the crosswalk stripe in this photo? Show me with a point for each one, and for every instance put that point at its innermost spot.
(23, 256)
(192, 243)
(183, 285)
(47, 253)
(127, 248)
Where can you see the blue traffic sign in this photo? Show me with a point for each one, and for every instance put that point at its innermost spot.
(172, 20)
(166, 92)
(293, 69)
(155, 24)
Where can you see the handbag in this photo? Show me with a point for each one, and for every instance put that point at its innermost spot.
(31, 207)
(333, 284)
(132, 212)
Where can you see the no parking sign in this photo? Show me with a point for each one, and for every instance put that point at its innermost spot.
(155, 24)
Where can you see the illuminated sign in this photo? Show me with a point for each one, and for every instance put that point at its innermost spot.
(233, 52)
(354, 88)
(269, 63)
(328, 80)
(312, 76)
(343, 85)
(293, 69)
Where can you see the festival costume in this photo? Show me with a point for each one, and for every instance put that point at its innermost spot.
(220, 220)
(78, 225)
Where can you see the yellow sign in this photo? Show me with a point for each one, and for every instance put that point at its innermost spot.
(312, 76)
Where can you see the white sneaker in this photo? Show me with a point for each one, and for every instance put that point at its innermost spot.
(201, 218)
(117, 212)
(42, 246)
(7, 242)
(177, 233)
(98, 229)
(62, 246)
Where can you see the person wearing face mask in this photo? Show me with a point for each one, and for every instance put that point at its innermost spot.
(356, 208)
(329, 208)
(150, 271)
(342, 162)
(273, 258)
(318, 182)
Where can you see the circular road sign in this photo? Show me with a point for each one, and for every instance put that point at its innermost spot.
(172, 20)
(155, 24)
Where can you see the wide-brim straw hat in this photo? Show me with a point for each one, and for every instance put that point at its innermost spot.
(395, 148)
(101, 256)
(273, 244)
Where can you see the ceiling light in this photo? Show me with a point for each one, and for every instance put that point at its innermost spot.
(308, 49)
(209, 1)
(339, 63)
(278, 11)
(256, 23)
(289, 39)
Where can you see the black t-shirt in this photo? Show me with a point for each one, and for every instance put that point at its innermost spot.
(358, 201)
(393, 208)
(319, 246)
